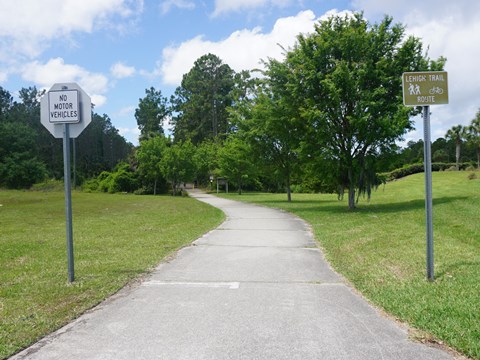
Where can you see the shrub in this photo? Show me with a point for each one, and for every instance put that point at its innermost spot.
(20, 171)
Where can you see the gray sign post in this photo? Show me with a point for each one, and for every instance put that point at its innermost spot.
(65, 111)
(425, 89)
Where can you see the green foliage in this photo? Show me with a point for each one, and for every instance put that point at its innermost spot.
(31, 149)
(472, 135)
(200, 103)
(177, 164)
(440, 156)
(19, 166)
(206, 161)
(149, 155)
(419, 168)
(271, 124)
(151, 112)
(100, 147)
(347, 78)
(122, 179)
(21, 171)
(236, 162)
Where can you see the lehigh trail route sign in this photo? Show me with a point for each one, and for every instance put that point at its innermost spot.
(425, 88)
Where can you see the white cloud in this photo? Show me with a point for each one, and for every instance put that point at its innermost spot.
(242, 50)
(3, 76)
(120, 70)
(127, 111)
(450, 29)
(98, 100)
(56, 71)
(227, 6)
(167, 5)
(131, 134)
(27, 26)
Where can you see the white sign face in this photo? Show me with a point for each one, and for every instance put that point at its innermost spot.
(63, 106)
(63, 94)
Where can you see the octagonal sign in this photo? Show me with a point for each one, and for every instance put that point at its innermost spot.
(65, 103)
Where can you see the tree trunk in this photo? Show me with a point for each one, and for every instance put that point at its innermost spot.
(155, 187)
(457, 156)
(351, 190)
(289, 190)
(351, 197)
(478, 158)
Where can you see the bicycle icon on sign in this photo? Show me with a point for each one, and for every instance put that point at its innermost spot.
(436, 90)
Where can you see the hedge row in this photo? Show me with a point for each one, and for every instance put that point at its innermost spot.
(418, 168)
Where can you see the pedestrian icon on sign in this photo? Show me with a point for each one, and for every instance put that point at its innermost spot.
(414, 89)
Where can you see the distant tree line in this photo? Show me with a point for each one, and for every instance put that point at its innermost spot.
(30, 154)
(327, 117)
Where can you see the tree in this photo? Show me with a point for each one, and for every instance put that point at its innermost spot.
(272, 125)
(236, 162)
(473, 136)
(346, 76)
(149, 155)
(19, 166)
(177, 164)
(100, 147)
(6, 103)
(200, 103)
(206, 161)
(456, 134)
(151, 112)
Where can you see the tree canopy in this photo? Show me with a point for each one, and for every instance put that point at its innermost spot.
(346, 77)
(151, 112)
(200, 103)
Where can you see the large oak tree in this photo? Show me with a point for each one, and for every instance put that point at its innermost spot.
(346, 76)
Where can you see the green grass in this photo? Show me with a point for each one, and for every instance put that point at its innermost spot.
(380, 248)
(116, 239)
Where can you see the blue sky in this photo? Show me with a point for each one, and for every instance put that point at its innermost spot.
(115, 49)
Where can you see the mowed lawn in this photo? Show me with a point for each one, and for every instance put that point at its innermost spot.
(381, 248)
(116, 239)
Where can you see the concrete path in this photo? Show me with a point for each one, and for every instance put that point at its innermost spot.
(255, 288)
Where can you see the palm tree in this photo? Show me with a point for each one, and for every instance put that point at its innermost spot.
(473, 136)
(456, 134)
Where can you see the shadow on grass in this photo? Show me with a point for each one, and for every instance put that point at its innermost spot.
(451, 269)
(341, 207)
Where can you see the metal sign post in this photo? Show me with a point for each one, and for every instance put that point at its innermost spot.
(425, 89)
(427, 163)
(68, 200)
(65, 111)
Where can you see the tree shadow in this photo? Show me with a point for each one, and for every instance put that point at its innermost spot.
(340, 207)
(455, 266)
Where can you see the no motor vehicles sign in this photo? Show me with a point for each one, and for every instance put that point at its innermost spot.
(63, 106)
(65, 103)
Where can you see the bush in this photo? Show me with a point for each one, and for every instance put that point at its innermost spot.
(418, 168)
(91, 185)
(123, 179)
(20, 171)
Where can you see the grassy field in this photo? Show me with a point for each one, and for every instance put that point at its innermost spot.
(116, 239)
(380, 248)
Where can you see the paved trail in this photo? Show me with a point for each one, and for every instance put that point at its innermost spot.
(257, 287)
